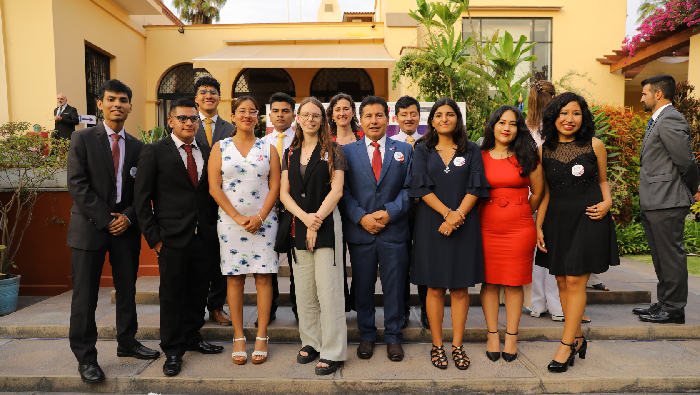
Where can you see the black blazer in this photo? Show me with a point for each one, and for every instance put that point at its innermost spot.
(309, 193)
(222, 130)
(168, 205)
(69, 119)
(92, 185)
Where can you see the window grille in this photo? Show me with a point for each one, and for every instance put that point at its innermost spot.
(177, 83)
(96, 74)
(329, 82)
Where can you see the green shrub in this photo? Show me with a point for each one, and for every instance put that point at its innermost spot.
(691, 237)
(631, 239)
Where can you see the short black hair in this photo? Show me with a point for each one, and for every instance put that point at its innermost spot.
(664, 83)
(207, 80)
(184, 102)
(282, 97)
(405, 102)
(549, 131)
(115, 86)
(374, 100)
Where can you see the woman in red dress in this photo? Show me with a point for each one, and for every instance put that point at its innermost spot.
(508, 231)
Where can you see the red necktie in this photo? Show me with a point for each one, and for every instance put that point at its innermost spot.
(191, 164)
(376, 160)
(115, 153)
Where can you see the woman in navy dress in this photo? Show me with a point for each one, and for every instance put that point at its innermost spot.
(448, 176)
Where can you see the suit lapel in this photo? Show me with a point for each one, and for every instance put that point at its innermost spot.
(101, 136)
(205, 160)
(128, 156)
(172, 148)
(219, 130)
(388, 156)
(201, 135)
(653, 126)
(313, 161)
(361, 149)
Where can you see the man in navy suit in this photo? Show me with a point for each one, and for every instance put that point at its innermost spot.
(375, 225)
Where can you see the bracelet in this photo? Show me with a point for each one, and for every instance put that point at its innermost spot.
(261, 220)
(460, 211)
(449, 210)
(539, 225)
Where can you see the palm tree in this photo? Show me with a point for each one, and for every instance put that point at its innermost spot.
(648, 7)
(199, 12)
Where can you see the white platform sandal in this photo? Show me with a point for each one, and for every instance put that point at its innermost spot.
(239, 354)
(262, 354)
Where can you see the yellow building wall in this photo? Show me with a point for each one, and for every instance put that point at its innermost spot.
(110, 30)
(694, 64)
(4, 103)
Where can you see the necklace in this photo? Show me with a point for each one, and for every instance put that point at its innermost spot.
(447, 165)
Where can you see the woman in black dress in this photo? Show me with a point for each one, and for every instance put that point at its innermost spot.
(448, 176)
(575, 236)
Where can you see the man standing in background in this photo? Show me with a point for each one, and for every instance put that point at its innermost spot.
(65, 117)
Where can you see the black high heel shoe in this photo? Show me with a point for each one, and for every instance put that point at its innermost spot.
(561, 367)
(508, 357)
(494, 356)
(584, 346)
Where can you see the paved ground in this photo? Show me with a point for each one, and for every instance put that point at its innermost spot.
(625, 355)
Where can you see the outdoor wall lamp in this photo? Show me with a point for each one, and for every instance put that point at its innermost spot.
(181, 29)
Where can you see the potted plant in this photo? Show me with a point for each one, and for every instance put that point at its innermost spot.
(27, 162)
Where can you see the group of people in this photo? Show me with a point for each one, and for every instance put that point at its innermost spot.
(435, 210)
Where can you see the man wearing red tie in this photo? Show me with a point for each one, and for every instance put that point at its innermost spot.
(178, 220)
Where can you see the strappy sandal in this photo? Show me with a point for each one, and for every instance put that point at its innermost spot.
(462, 362)
(311, 355)
(262, 354)
(239, 354)
(438, 357)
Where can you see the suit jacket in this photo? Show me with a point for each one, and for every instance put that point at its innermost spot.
(66, 125)
(363, 194)
(668, 175)
(92, 185)
(222, 130)
(168, 205)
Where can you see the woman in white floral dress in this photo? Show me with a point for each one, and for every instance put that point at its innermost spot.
(244, 179)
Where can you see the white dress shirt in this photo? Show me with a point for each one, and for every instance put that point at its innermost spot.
(60, 110)
(122, 150)
(213, 124)
(271, 139)
(196, 153)
(401, 136)
(370, 148)
(658, 112)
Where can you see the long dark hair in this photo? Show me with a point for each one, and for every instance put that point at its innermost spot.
(354, 123)
(523, 146)
(459, 136)
(541, 93)
(549, 131)
(324, 139)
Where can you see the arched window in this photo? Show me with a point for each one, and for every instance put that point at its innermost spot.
(176, 84)
(355, 82)
(263, 83)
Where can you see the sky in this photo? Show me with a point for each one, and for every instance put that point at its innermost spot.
(275, 11)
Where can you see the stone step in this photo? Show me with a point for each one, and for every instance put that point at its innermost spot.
(621, 293)
(43, 366)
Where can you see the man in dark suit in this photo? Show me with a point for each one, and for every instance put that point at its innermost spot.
(374, 204)
(101, 169)
(668, 181)
(212, 128)
(65, 117)
(178, 219)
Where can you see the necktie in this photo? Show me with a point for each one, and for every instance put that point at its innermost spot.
(649, 125)
(280, 145)
(207, 130)
(376, 160)
(410, 140)
(191, 164)
(115, 153)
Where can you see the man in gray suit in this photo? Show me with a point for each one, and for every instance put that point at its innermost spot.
(668, 180)
(212, 128)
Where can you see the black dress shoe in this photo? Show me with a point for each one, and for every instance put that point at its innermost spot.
(206, 348)
(140, 352)
(394, 352)
(652, 309)
(365, 349)
(273, 317)
(663, 317)
(172, 365)
(404, 324)
(91, 373)
(424, 320)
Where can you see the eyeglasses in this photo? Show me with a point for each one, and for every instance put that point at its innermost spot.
(306, 115)
(244, 112)
(184, 118)
(203, 92)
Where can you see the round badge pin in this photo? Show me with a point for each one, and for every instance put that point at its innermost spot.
(577, 170)
(459, 161)
(398, 156)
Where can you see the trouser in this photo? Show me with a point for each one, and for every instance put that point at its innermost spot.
(321, 303)
(664, 231)
(217, 291)
(545, 292)
(422, 289)
(184, 283)
(86, 271)
(392, 260)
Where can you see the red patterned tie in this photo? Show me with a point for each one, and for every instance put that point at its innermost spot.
(115, 153)
(191, 164)
(376, 160)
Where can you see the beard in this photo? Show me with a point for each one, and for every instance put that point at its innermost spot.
(649, 106)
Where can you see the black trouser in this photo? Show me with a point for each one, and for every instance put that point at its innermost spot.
(292, 291)
(86, 271)
(217, 291)
(184, 281)
(422, 289)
